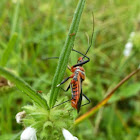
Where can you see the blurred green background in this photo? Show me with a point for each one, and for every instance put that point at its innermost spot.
(42, 26)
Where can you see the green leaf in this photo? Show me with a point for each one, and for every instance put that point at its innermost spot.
(8, 50)
(65, 53)
(25, 88)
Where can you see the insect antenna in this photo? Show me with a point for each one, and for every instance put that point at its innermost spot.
(91, 36)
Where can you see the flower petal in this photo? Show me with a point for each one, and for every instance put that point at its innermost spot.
(28, 134)
(20, 116)
(67, 135)
(75, 138)
(128, 45)
(128, 48)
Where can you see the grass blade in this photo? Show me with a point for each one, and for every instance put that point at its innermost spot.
(25, 88)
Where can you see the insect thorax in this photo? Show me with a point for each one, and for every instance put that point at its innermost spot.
(77, 71)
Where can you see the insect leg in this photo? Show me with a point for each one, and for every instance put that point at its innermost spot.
(62, 103)
(66, 100)
(64, 81)
(65, 90)
(87, 100)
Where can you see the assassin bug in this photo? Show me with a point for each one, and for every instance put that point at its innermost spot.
(78, 77)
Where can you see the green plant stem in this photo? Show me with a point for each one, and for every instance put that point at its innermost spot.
(25, 88)
(65, 53)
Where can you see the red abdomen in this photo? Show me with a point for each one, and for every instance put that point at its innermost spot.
(75, 94)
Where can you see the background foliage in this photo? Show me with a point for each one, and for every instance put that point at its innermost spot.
(41, 28)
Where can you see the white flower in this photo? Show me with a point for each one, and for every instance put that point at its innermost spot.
(128, 48)
(67, 135)
(20, 116)
(126, 52)
(28, 134)
(129, 45)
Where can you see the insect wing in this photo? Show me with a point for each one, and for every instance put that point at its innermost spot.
(80, 94)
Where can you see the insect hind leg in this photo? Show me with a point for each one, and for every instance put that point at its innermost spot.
(62, 103)
(87, 100)
(65, 90)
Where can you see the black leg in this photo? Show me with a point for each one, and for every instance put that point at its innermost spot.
(62, 103)
(87, 100)
(65, 90)
(63, 81)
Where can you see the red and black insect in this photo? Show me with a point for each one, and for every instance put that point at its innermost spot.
(78, 77)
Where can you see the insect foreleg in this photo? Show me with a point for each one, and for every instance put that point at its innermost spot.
(65, 80)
